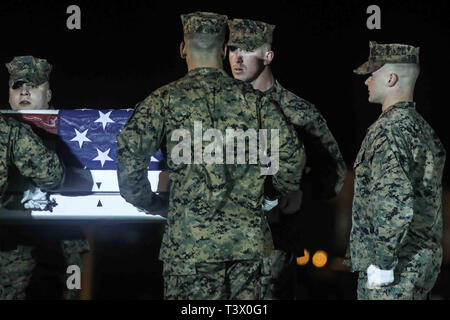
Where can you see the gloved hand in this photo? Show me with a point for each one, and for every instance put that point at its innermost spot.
(291, 203)
(159, 205)
(36, 199)
(269, 204)
(377, 277)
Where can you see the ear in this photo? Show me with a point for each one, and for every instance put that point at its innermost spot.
(49, 95)
(182, 50)
(224, 52)
(392, 80)
(268, 57)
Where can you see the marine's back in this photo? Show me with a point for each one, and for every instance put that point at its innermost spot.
(214, 202)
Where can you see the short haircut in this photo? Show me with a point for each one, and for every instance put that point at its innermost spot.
(204, 42)
(406, 71)
(267, 46)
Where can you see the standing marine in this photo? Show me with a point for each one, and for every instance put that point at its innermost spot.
(20, 147)
(250, 56)
(216, 234)
(29, 89)
(395, 240)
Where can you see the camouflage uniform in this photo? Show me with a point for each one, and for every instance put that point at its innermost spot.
(328, 179)
(397, 205)
(215, 232)
(250, 35)
(37, 71)
(20, 147)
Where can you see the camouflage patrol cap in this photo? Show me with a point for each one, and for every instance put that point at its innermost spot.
(249, 34)
(380, 54)
(204, 22)
(28, 69)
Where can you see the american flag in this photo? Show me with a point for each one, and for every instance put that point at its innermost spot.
(87, 137)
(91, 136)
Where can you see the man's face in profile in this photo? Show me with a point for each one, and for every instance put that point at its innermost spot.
(27, 96)
(376, 85)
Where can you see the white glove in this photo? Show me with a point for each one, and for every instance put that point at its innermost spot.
(34, 199)
(269, 204)
(377, 277)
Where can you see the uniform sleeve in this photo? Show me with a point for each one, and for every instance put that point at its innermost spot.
(291, 153)
(34, 160)
(391, 200)
(324, 157)
(136, 143)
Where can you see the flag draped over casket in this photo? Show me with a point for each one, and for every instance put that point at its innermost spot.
(89, 134)
(87, 137)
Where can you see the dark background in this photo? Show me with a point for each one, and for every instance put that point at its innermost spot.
(126, 49)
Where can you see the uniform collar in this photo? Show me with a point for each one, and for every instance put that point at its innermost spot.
(397, 106)
(206, 71)
(276, 88)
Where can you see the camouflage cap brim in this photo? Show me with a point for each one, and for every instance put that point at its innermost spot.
(368, 67)
(380, 54)
(243, 45)
(14, 82)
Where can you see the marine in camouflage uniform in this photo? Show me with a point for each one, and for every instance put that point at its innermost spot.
(324, 157)
(22, 148)
(216, 234)
(397, 205)
(29, 73)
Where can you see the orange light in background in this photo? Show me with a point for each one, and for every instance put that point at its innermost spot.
(301, 261)
(319, 259)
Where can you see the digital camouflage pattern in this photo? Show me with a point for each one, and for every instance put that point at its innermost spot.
(214, 209)
(249, 34)
(328, 166)
(274, 264)
(28, 69)
(72, 251)
(205, 279)
(37, 71)
(327, 175)
(204, 22)
(380, 54)
(397, 205)
(405, 287)
(328, 178)
(16, 267)
(22, 148)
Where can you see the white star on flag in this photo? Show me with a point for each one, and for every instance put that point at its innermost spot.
(81, 137)
(103, 157)
(104, 119)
